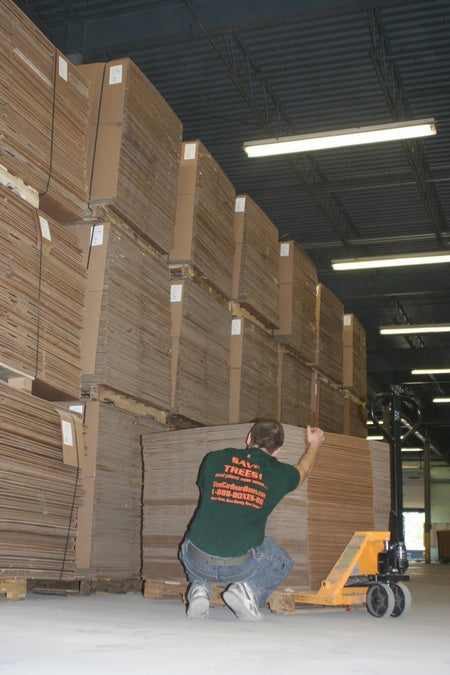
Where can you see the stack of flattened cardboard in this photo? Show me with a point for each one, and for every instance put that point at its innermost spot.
(40, 492)
(42, 297)
(253, 371)
(354, 372)
(355, 416)
(44, 123)
(298, 282)
(313, 523)
(108, 542)
(203, 233)
(381, 464)
(256, 262)
(294, 390)
(135, 144)
(327, 404)
(125, 343)
(329, 321)
(200, 348)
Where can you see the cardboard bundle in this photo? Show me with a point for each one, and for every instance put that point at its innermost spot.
(43, 128)
(327, 404)
(108, 542)
(203, 231)
(125, 343)
(380, 455)
(297, 293)
(313, 523)
(294, 390)
(354, 372)
(200, 348)
(329, 341)
(40, 493)
(41, 297)
(253, 371)
(355, 416)
(256, 262)
(135, 149)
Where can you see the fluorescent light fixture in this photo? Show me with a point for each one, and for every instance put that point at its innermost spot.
(396, 131)
(391, 261)
(442, 399)
(430, 371)
(375, 438)
(411, 449)
(409, 329)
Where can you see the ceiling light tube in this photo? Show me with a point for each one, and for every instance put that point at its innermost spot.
(442, 399)
(410, 329)
(430, 371)
(432, 258)
(396, 131)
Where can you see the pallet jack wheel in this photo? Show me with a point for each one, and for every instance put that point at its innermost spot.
(403, 599)
(380, 600)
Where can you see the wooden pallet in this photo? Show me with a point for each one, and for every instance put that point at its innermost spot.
(13, 589)
(85, 586)
(160, 590)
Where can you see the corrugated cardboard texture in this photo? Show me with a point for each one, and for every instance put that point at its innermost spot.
(329, 320)
(203, 231)
(294, 390)
(256, 262)
(354, 367)
(136, 154)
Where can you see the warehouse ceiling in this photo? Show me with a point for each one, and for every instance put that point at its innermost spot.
(240, 70)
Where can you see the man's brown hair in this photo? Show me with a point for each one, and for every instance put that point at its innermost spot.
(267, 434)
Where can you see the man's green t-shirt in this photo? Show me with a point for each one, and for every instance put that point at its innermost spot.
(239, 489)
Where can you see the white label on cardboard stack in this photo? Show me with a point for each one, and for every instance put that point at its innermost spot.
(347, 319)
(284, 250)
(62, 68)
(67, 432)
(240, 205)
(115, 74)
(176, 292)
(45, 228)
(235, 326)
(97, 235)
(190, 150)
(77, 409)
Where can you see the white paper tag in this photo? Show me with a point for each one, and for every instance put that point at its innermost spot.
(240, 205)
(176, 292)
(284, 250)
(347, 319)
(45, 228)
(235, 326)
(190, 150)
(97, 235)
(62, 68)
(77, 409)
(115, 74)
(67, 432)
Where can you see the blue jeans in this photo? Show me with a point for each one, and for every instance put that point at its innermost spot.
(264, 572)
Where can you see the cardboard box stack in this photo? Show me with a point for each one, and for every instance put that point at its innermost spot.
(125, 343)
(41, 449)
(135, 147)
(41, 299)
(203, 231)
(313, 524)
(108, 542)
(294, 390)
(354, 376)
(43, 128)
(256, 262)
(200, 345)
(297, 300)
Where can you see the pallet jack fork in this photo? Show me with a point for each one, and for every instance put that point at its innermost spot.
(365, 573)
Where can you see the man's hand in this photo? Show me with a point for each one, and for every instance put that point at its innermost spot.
(314, 438)
(314, 435)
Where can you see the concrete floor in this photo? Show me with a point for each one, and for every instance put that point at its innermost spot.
(125, 634)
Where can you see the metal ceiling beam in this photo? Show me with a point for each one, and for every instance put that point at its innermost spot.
(392, 87)
(79, 28)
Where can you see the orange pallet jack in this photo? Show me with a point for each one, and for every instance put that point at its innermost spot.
(367, 572)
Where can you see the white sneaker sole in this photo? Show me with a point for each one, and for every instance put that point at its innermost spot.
(198, 609)
(238, 607)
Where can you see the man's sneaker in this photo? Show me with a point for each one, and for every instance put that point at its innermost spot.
(198, 607)
(240, 598)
